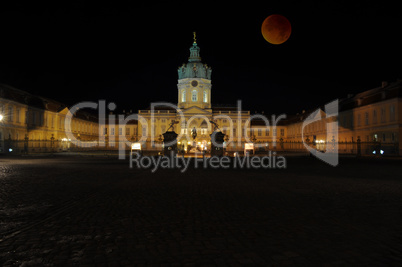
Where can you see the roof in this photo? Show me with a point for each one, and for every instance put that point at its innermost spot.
(382, 93)
(372, 96)
(23, 97)
(26, 98)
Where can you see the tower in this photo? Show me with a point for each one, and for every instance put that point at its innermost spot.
(194, 83)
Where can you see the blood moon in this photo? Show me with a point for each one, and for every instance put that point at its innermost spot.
(276, 29)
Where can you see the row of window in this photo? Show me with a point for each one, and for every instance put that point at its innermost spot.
(163, 120)
(309, 128)
(31, 117)
(259, 132)
(203, 131)
(383, 137)
(43, 119)
(194, 96)
(347, 121)
(112, 131)
(223, 121)
(374, 116)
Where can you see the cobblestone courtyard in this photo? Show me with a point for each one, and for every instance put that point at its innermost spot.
(97, 211)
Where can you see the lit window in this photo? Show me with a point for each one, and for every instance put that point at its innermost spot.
(194, 96)
(183, 96)
(205, 97)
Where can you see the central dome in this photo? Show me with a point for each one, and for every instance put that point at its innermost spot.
(194, 68)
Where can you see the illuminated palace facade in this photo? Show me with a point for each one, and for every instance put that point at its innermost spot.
(30, 123)
(34, 123)
(195, 118)
(373, 116)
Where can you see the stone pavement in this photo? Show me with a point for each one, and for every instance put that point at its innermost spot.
(96, 211)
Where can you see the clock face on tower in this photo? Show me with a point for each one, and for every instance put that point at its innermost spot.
(194, 83)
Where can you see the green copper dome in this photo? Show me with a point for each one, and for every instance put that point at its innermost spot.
(194, 68)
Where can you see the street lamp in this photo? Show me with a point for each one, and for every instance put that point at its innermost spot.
(1, 117)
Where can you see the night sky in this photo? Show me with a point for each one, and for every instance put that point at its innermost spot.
(129, 52)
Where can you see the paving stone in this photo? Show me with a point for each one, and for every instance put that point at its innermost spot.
(93, 211)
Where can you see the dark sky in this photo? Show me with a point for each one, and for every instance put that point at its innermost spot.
(129, 53)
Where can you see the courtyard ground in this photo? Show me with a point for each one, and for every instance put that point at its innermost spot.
(65, 210)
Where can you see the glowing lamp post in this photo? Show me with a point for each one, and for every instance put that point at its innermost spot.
(136, 148)
(1, 117)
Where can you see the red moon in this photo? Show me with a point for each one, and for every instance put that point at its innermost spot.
(276, 29)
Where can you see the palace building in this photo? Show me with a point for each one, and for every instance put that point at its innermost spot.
(195, 117)
(34, 123)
